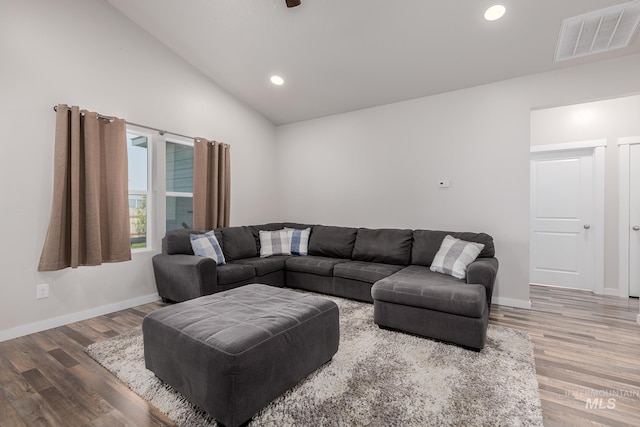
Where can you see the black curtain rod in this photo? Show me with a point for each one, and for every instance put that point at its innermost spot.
(160, 131)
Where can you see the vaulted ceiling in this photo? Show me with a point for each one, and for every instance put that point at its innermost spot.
(342, 55)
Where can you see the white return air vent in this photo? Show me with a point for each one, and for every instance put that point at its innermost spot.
(599, 31)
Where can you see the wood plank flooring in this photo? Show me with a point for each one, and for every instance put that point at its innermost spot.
(586, 347)
(587, 352)
(46, 379)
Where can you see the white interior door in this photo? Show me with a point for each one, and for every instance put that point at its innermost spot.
(634, 220)
(562, 208)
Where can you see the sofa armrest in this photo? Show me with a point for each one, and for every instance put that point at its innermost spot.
(483, 271)
(183, 277)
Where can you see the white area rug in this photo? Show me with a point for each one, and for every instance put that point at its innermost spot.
(377, 378)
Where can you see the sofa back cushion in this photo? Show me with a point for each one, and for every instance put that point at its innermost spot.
(238, 243)
(297, 225)
(179, 241)
(331, 241)
(388, 246)
(426, 244)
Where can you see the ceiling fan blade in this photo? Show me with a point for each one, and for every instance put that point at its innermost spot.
(293, 3)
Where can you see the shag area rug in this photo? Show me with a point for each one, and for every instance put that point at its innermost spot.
(377, 378)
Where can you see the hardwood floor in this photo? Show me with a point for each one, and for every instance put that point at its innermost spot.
(46, 379)
(586, 347)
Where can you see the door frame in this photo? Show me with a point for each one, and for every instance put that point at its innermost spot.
(624, 220)
(597, 257)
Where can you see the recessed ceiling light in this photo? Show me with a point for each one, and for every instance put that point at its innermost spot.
(494, 12)
(277, 80)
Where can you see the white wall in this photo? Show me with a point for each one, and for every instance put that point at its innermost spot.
(379, 167)
(609, 120)
(86, 53)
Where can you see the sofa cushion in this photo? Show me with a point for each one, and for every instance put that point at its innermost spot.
(264, 266)
(331, 241)
(321, 266)
(426, 243)
(206, 245)
(369, 272)
(179, 241)
(297, 225)
(232, 273)
(454, 256)
(389, 246)
(255, 229)
(238, 242)
(417, 286)
(276, 242)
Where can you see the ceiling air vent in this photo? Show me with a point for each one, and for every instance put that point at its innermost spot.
(605, 29)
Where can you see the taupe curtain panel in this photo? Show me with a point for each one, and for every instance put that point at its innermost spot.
(211, 184)
(89, 222)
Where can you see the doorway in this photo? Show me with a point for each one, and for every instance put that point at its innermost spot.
(567, 215)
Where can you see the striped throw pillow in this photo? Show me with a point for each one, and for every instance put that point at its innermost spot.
(454, 256)
(274, 243)
(206, 245)
(299, 240)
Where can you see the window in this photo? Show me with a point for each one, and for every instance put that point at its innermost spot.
(160, 185)
(179, 184)
(138, 152)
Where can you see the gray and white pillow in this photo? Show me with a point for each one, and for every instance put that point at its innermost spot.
(274, 243)
(206, 245)
(454, 256)
(299, 240)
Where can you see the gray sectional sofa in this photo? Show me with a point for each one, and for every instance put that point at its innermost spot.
(389, 267)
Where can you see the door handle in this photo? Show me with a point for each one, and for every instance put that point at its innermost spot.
(586, 226)
(636, 228)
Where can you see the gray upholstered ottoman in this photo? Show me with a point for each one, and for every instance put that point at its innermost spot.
(233, 352)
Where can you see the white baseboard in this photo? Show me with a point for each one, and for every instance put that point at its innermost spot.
(612, 292)
(54, 322)
(517, 303)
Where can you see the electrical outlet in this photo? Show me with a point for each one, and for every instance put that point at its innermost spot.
(42, 291)
(443, 183)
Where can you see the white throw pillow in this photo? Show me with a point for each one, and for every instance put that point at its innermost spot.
(206, 245)
(274, 243)
(299, 240)
(454, 256)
